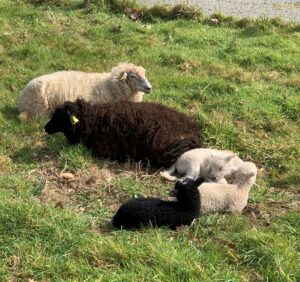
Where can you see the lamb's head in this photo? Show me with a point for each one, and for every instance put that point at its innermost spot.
(133, 76)
(64, 119)
(188, 183)
(187, 186)
(221, 165)
(246, 172)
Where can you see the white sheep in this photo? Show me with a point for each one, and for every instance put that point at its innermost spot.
(216, 197)
(43, 94)
(211, 164)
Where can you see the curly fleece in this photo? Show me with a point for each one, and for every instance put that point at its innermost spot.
(125, 129)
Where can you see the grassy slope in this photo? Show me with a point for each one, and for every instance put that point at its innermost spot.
(241, 84)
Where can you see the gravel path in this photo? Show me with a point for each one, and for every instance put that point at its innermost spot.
(286, 9)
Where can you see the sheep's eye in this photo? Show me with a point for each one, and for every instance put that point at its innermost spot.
(131, 75)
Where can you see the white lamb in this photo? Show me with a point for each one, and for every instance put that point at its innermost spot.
(43, 94)
(216, 197)
(211, 164)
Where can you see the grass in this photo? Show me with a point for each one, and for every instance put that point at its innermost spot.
(240, 81)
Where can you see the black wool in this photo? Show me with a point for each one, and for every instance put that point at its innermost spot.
(143, 211)
(118, 130)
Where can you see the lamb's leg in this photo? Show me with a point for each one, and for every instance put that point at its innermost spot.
(193, 172)
(167, 173)
(24, 116)
(222, 181)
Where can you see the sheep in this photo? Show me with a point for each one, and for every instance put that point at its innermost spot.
(211, 164)
(143, 211)
(123, 129)
(43, 94)
(215, 197)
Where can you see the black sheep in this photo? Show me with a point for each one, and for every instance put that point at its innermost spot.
(118, 130)
(143, 211)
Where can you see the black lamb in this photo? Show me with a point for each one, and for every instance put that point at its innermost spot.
(119, 130)
(143, 211)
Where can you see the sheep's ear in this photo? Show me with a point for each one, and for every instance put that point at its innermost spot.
(74, 120)
(234, 169)
(123, 76)
(251, 174)
(230, 157)
(199, 181)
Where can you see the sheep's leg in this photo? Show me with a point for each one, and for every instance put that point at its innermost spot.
(121, 153)
(222, 181)
(193, 172)
(167, 173)
(24, 116)
(122, 158)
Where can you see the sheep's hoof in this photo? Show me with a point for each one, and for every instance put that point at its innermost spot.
(144, 163)
(167, 176)
(24, 116)
(123, 158)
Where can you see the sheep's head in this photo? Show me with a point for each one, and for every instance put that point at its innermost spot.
(188, 183)
(246, 170)
(63, 119)
(221, 166)
(133, 76)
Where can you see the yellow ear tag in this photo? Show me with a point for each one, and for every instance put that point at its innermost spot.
(124, 76)
(74, 120)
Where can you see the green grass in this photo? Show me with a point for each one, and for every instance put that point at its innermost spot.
(241, 83)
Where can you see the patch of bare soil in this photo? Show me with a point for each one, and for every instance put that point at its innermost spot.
(262, 213)
(59, 186)
(63, 188)
(4, 164)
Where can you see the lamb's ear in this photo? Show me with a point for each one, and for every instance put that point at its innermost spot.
(251, 174)
(230, 157)
(74, 119)
(199, 181)
(123, 76)
(234, 169)
(213, 155)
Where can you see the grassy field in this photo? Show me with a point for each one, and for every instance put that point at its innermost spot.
(241, 83)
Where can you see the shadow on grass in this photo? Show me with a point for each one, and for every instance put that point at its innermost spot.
(108, 227)
(286, 183)
(29, 155)
(10, 113)
(49, 151)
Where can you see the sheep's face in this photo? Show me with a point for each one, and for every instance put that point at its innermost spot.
(62, 121)
(133, 76)
(246, 170)
(221, 166)
(137, 81)
(188, 183)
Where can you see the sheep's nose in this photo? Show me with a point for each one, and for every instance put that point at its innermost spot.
(148, 88)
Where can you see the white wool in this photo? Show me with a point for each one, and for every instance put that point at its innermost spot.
(43, 94)
(215, 197)
(211, 164)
